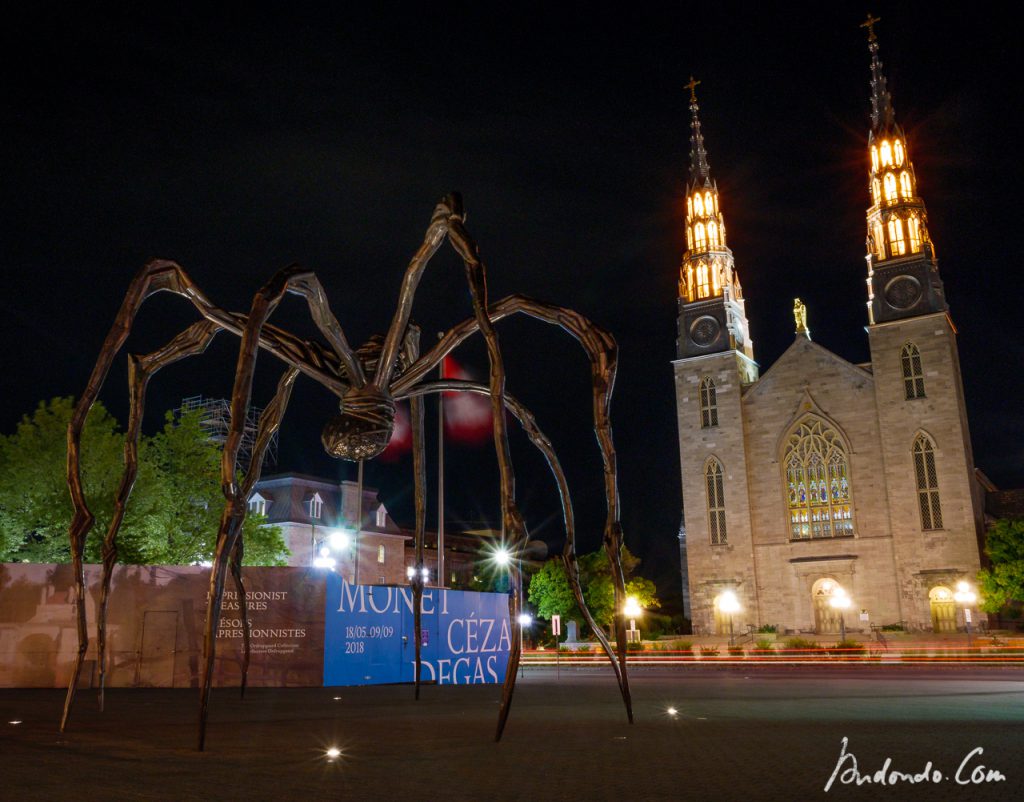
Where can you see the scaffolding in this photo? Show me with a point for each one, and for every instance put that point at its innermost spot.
(215, 421)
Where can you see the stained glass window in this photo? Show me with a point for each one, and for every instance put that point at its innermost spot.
(905, 184)
(817, 476)
(716, 502)
(927, 483)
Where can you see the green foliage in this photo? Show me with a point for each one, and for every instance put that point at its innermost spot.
(849, 648)
(801, 644)
(172, 515)
(551, 594)
(709, 651)
(894, 628)
(765, 646)
(736, 651)
(1004, 582)
(768, 629)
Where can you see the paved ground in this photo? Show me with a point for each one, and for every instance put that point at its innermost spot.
(764, 734)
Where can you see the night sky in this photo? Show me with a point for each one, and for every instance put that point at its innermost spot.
(237, 144)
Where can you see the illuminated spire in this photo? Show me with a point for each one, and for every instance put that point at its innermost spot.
(897, 221)
(700, 170)
(883, 118)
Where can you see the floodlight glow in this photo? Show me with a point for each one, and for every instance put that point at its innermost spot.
(325, 551)
(324, 562)
(632, 608)
(728, 603)
(502, 556)
(410, 572)
(15, 723)
(339, 540)
(840, 600)
(672, 711)
(425, 572)
(333, 752)
(525, 619)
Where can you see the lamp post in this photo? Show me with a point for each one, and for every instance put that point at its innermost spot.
(525, 620)
(965, 597)
(729, 604)
(632, 611)
(841, 603)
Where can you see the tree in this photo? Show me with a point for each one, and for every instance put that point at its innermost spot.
(551, 593)
(1004, 582)
(173, 512)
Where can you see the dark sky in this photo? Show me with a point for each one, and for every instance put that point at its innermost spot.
(236, 144)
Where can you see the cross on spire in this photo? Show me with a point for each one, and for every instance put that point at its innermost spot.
(692, 86)
(869, 23)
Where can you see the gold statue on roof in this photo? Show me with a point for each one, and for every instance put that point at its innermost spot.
(800, 316)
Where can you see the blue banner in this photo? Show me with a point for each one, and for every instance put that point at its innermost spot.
(369, 639)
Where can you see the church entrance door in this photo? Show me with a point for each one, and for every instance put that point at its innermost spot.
(826, 617)
(943, 609)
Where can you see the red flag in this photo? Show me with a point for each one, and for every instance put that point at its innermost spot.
(467, 416)
(401, 436)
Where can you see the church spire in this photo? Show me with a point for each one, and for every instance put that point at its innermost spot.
(883, 118)
(700, 170)
(707, 275)
(897, 221)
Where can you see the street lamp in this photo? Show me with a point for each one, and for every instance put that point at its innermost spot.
(966, 597)
(525, 620)
(632, 611)
(841, 603)
(729, 604)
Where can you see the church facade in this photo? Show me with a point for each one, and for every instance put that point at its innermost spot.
(819, 478)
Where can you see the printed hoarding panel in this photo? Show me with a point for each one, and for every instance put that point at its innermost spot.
(368, 635)
(155, 621)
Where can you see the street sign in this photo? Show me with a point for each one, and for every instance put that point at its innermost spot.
(967, 615)
(556, 625)
(863, 615)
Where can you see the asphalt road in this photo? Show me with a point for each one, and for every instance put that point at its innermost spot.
(745, 735)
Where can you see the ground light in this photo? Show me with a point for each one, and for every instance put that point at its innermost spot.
(333, 753)
(965, 597)
(632, 610)
(730, 605)
(841, 602)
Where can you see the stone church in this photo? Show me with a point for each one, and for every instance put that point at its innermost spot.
(822, 478)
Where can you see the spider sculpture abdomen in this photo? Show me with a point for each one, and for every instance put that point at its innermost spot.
(363, 428)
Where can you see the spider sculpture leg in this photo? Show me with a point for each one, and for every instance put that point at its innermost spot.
(411, 350)
(602, 352)
(264, 303)
(194, 340)
(334, 369)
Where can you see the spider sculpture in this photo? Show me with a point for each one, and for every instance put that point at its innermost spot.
(368, 381)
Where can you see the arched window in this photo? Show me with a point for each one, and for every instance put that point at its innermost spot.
(691, 290)
(315, 506)
(817, 482)
(703, 290)
(914, 232)
(698, 237)
(886, 153)
(713, 234)
(382, 517)
(709, 205)
(890, 187)
(689, 237)
(927, 483)
(898, 151)
(874, 159)
(879, 240)
(716, 502)
(897, 245)
(708, 403)
(913, 376)
(876, 191)
(905, 184)
(689, 208)
(698, 204)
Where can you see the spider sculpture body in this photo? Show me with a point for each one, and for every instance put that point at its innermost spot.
(368, 381)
